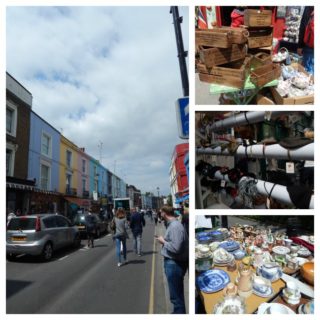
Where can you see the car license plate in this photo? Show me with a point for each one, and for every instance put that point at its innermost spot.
(18, 238)
(81, 227)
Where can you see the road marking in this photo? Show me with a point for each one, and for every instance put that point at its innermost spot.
(63, 257)
(20, 255)
(151, 300)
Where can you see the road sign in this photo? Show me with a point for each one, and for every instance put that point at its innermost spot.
(182, 112)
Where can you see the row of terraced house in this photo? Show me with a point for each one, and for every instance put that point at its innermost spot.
(45, 171)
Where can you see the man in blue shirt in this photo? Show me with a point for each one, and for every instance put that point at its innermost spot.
(137, 222)
(175, 250)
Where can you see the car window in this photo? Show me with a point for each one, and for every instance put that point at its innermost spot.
(23, 223)
(61, 222)
(80, 218)
(50, 222)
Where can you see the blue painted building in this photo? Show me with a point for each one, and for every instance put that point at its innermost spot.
(44, 154)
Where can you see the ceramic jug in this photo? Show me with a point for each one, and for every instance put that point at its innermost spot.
(245, 280)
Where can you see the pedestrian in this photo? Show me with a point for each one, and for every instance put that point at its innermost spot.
(137, 222)
(175, 250)
(10, 216)
(185, 219)
(90, 229)
(155, 217)
(306, 39)
(121, 235)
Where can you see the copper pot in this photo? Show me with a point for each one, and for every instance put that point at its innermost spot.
(307, 272)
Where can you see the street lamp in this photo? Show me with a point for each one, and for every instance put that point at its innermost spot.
(158, 189)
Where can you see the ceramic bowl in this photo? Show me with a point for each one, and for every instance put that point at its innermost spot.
(307, 272)
(261, 284)
(230, 305)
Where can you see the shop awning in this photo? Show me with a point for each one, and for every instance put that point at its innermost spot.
(79, 201)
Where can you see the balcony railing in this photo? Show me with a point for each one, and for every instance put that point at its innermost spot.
(71, 191)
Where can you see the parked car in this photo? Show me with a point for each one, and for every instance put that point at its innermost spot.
(81, 221)
(40, 235)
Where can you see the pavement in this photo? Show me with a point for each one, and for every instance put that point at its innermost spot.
(88, 281)
(202, 93)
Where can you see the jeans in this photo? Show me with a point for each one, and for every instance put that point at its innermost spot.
(137, 243)
(175, 271)
(308, 59)
(118, 248)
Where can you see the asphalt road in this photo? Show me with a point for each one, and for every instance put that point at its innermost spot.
(89, 281)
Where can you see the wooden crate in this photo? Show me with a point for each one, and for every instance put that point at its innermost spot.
(238, 35)
(264, 74)
(213, 38)
(239, 69)
(217, 56)
(202, 68)
(257, 18)
(222, 80)
(259, 37)
(260, 59)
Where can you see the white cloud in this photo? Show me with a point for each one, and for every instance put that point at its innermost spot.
(107, 74)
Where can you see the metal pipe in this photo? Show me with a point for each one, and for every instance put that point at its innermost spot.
(279, 192)
(181, 53)
(245, 118)
(271, 151)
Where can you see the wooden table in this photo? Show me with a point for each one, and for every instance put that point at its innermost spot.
(252, 302)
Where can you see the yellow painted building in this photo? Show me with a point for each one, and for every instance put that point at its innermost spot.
(68, 173)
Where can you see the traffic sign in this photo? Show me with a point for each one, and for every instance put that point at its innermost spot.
(182, 113)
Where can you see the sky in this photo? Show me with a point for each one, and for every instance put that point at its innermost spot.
(107, 78)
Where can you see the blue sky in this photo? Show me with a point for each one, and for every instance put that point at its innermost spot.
(108, 74)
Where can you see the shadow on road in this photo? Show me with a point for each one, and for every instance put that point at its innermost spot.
(14, 286)
(136, 261)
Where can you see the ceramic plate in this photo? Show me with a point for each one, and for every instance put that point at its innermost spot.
(304, 252)
(280, 250)
(239, 254)
(204, 238)
(267, 294)
(212, 280)
(265, 307)
(229, 245)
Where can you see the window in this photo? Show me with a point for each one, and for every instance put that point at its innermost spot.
(46, 145)
(11, 119)
(50, 222)
(68, 181)
(10, 155)
(61, 222)
(83, 166)
(44, 177)
(83, 184)
(69, 158)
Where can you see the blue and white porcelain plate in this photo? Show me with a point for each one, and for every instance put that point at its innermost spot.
(229, 245)
(212, 280)
(239, 254)
(267, 294)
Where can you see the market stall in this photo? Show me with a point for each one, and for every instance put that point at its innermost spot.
(254, 59)
(254, 159)
(252, 269)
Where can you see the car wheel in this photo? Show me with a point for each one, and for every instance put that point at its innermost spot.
(77, 241)
(10, 256)
(47, 252)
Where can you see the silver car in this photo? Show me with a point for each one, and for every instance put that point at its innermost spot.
(40, 235)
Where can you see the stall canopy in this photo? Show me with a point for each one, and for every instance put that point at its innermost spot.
(182, 199)
(78, 201)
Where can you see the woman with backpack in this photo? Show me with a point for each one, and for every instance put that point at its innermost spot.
(119, 225)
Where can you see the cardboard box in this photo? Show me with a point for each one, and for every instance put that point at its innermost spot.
(260, 37)
(263, 100)
(264, 74)
(257, 18)
(293, 100)
(217, 56)
(213, 38)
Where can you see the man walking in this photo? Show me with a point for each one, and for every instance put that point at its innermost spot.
(175, 251)
(137, 222)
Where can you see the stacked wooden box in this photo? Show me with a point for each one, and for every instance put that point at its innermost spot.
(222, 54)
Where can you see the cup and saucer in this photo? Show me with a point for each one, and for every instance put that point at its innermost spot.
(291, 294)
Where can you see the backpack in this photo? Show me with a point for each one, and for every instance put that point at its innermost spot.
(113, 225)
(308, 38)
